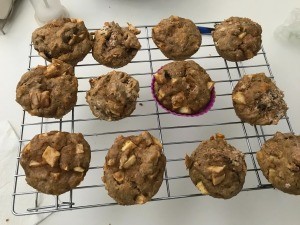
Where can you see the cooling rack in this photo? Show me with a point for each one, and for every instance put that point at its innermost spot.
(179, 135)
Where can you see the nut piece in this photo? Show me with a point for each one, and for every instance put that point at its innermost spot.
(216, 169)
(78, 169)
(239, 98)
(242, 35)
(160, 78)
(52, 70)
(35, 99)
(161, 94)
(51, 156)
(185, 110)
(141, 199)
(210, 85)
(216, 179)
(128, 145)
(272, 174)
(34, 163)
(45, 99)
(129, 162)
(79, 149)
(147, 137)
(201, 188)
(220, 136)
(111, 162)
(119, 176)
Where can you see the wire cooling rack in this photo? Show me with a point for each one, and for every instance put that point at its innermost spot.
(179, 135)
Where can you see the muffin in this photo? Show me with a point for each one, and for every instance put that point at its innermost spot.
(48, 91)
(279, 160)
(115, 46)
(237, 39)
(133, 169)
(64, 39)
(258, 101)
(55, 162)
(113, 96)
(183, 88)
(217, 168)
(177, 38)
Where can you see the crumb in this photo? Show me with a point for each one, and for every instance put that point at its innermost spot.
(7, 220)
(141, 104)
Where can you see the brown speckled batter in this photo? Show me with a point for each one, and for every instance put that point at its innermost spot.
(64, 39)
(279, 160)
(217, 168)
(133, 169)
(258, 101)
(48, 91)
(113, 96)
(55, 162)
(237, 39)
(183, 87)
(115, 46)
(178, 38)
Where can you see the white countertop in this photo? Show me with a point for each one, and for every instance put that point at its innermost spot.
(255, 207)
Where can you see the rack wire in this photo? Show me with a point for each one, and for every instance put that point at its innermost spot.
(179, 135)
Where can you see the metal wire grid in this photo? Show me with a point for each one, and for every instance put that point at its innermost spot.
(179, 135)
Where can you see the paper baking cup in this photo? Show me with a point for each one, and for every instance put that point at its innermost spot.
(201, 112)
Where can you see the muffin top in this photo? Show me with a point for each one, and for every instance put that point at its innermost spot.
(115, 46)
(178, 38)
(48, 91)
(113, 96)
(237, 39)
(258, 101)
(133, 169)
(55, 162)
(183, 87)
(279, 160)
(217, 168)
(65, 39)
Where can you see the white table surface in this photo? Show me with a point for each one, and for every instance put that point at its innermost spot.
(256, 207)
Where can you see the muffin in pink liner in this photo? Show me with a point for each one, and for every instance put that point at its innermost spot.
(183, 88)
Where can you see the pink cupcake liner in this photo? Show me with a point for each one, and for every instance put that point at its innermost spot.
(201, 112)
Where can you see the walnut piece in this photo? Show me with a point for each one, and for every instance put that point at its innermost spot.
(79, 149)
(129, 162)
(202, 188)
(78, 169)
(141, 199)
(39, 99)
(216, 169)
(239, 98)
(216, 179)
(185, 110)
(210, 85)
(51, 156)
(128, 145)
(34, 163)
(119, 176)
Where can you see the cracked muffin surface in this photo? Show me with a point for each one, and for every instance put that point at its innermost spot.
(237, 39)
(258, 101)
(217, 168)
(183, 87)
(55, 162)
(279, 160)
(115, 46)
(113, 96)
(177, 38)
(65, 39)
(134, 168)
(48, 91)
